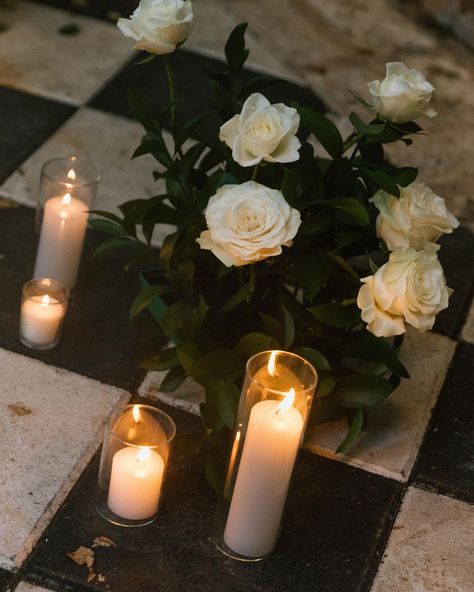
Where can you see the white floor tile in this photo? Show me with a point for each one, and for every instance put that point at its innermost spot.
(27, 587)
(51, 424)
(396, 426)
(430, 547)
(467, 333)
(65, 67)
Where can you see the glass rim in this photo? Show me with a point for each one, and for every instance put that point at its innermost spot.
(62, 295)
(69, 183)
(304, 361)
(121, 410)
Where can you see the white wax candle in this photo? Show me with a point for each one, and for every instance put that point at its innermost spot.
(40, 319)
(61, 240)
(135, 483)
(272, 441)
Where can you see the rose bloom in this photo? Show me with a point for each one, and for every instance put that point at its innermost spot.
(262, 132)
(158, 26)
(417, 219)
(403, 95)
(410, 287)
(248, 223)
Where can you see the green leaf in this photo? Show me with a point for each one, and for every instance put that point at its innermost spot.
(237, 298)
(219, 363)
(289, 327)
(325, 387)
(361, 390)
(405, 176)
(374, 349)
(107, 215)
(312, 270)
(191, 444)
(225, 396)
(107, 227)
(188, 129)
(110, 244)
(353, 433)
(174, 318)
(146, 297)
(235, 51)
(314, 357)
(382, 180)
(351, 207)
(138, 108)
(257, 83)
(336, 315)
(173, 379)
(363, 128)
(167, 247)
(324, 130)
(274, 328)
(253, 343)
(69, 29)
(214, 476)
(164, 360)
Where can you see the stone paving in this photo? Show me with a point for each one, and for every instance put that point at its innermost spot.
(393, 515)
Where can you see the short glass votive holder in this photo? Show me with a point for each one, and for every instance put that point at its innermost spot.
(43, 308)
(67, 190)
(135, 456)
(273, 412)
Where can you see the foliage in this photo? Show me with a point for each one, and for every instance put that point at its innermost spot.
(303, 300)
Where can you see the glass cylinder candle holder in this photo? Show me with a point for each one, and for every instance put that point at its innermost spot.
(66, 193)
(273, 412)
(135, 454)
(43, 308)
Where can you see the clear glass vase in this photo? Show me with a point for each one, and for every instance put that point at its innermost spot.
(67, 190)
(135, 456)
(273, 412)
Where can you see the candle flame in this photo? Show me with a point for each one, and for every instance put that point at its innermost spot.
(136, 414)
(45, 300)
(66, 200)
(71, 174)
(287, 401)
(272, 364)
(143, 454)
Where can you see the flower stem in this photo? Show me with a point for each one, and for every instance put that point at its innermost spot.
(255, 172)
(252, 278)
(171, 89)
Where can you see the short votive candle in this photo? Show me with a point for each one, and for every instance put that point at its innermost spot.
(43, 308)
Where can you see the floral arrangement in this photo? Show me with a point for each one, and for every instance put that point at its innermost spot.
(275, 245)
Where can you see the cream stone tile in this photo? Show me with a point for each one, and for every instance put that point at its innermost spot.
(396, 426)
(430, 547)
(390, 445)
(28, 587)
(51, 425)
(108, 141)
(65, 67)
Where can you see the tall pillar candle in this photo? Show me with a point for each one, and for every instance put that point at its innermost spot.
(273, 436)
(61, 239)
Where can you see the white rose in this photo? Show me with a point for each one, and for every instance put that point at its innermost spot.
(158, 26)
(410, 287)
(417, 219)
(262, 132)
(403, 95)
(248, 223)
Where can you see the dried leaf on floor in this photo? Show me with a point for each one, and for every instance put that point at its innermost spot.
(82, 556)
(102, 541)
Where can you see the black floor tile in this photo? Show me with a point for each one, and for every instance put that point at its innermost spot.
(446, 459)
(108, 10)
(6, 578)
(98, 339)
(338, 518)
(26, 122)
(150, 80)
(456, 256)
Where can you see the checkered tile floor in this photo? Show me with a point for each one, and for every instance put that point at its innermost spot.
(393, 515)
